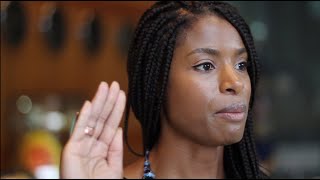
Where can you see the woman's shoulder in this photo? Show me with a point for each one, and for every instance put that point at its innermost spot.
(134, 170)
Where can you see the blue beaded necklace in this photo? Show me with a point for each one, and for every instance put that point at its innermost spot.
(147, 172)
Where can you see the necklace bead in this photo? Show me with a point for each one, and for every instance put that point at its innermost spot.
(147, 172)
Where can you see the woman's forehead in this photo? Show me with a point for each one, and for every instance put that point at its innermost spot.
(212, 31)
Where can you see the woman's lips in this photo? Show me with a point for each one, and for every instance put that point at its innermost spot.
(232, 116)
(234, 112)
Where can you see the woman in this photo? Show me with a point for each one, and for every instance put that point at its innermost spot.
(192, 69)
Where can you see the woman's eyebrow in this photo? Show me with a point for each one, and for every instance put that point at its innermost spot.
(240, 51)
(215, 52)
(209, 51)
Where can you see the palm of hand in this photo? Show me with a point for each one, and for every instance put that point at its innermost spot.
(100, 154)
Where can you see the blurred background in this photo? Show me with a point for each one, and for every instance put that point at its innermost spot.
(55, 54)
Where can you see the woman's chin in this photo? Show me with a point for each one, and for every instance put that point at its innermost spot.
(227, 139)
(233, 138)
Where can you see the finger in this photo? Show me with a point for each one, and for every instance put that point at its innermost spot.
(97, 105)
(114, 119)
(78, 131)
(115, 154)
(101, 85)
(107, 109)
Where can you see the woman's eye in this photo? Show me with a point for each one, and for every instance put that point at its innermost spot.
(242, 66)
(204, 67)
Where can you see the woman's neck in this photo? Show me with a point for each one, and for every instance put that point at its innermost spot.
(177, 157)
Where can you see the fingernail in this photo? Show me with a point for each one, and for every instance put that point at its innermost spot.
(114, 84)
(124, 94)
(103, 84)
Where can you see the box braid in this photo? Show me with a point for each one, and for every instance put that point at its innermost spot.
(149, 58)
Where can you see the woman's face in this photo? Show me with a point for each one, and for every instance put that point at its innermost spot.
(209, 86)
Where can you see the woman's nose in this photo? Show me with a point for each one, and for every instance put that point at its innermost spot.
(230, 82)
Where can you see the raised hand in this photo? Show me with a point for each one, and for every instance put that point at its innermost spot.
(95, 148)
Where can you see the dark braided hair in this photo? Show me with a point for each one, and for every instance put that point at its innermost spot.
(158, 33)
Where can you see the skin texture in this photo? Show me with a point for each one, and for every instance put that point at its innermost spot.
(201, 83)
